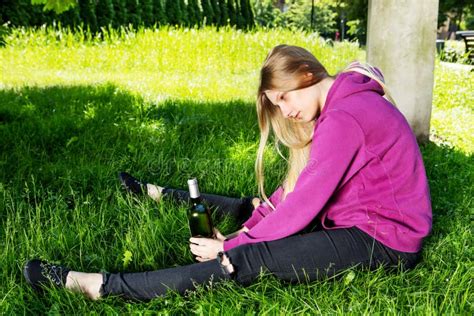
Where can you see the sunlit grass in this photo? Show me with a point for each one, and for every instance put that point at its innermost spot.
(180, 63)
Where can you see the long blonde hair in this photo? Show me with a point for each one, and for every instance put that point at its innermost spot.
(285, 69)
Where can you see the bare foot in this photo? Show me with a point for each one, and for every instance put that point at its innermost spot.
(154, 191)
(86, 283)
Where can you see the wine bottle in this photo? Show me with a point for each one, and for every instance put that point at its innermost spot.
(199, 215)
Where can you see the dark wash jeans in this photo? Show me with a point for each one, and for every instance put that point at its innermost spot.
(312, 254)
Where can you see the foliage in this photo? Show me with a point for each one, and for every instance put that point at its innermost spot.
(159, 13)
(231, 12)
(120, 12)
(299, 17)
(88, 14)
(59, 6)
(224, 14)
(194, 13)
(134, 12)
(217, 12)
(455, 52)
(247, 14)
(239, 21)
(147, 12)
(105, 12)
(459, 10)
(266, 14)
(207, 12)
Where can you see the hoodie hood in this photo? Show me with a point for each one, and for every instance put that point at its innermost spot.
(349, 83)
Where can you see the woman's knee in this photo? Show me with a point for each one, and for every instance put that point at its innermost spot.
(247, 261)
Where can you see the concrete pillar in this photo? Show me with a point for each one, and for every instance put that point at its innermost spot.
(401, 41)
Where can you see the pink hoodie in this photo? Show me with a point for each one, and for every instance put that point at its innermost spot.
(365, 170)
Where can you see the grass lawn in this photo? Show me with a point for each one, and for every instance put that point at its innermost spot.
(167, 105)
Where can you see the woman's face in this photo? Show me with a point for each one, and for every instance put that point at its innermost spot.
(302, 105)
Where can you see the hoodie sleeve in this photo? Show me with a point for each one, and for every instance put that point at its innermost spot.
(264, 209)
(336, 141)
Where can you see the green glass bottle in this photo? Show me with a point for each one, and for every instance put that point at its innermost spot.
(199, 215)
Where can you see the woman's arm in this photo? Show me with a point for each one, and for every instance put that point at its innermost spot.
(336, 142)
(263, 209)
(235, 234)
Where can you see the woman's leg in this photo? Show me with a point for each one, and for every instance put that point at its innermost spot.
(147, 285)
(315, 255)
(238, 208)
(298, 258)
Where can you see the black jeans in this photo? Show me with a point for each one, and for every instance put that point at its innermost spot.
(309, 255)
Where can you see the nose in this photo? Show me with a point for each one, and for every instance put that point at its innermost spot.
(285, 109)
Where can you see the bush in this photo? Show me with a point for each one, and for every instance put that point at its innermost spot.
(207, 12)
(159, 15)
(134, 10)
(105, 12)
(455, 52)
(298, 16)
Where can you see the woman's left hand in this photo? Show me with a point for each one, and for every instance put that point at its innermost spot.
(207, 248)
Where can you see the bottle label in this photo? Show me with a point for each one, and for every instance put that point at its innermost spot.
(193, 188)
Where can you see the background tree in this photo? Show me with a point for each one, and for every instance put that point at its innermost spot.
(217, 12)
(194, 13)
(207, 12)
(134, 12)
(173, 12)
(57, 6)
(184, 19)
(87, 11)
(239, 18)
(159, 16)
(298, 16)
(266, 13)
(231, 12)
(224, 13)
(460, 10)
(16, 11)
(147, 12)
(251, 19)
(104, 12)
(120, 10)
(71, 17)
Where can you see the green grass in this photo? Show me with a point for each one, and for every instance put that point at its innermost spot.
(167, 105)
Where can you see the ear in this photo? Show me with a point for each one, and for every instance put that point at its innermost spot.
(309, 74)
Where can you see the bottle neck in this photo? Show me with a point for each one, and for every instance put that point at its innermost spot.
(196, 200)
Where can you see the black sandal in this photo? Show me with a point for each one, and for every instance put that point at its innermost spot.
(131, 184)
(40, 274)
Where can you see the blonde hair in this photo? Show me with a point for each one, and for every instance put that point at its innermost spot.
(285, 69)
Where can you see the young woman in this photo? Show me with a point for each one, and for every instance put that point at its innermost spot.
(355, 193)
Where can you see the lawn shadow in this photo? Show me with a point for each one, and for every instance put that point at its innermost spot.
(80, 136)
(450, 174)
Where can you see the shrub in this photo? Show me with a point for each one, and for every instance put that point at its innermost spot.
(134, 12)
(159, 15)
(120, 9)
(207, 12)
(105, 12)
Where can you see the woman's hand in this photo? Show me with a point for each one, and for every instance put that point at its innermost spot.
(207, 248)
